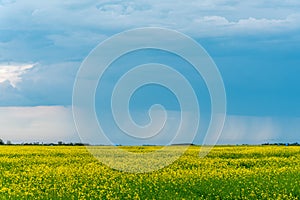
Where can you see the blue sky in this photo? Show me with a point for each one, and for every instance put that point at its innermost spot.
(255, 44)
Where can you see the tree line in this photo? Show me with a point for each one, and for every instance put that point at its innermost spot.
(59, 143)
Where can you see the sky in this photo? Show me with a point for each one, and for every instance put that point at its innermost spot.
(255, 45)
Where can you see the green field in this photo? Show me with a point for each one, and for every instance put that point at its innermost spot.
(227, 172)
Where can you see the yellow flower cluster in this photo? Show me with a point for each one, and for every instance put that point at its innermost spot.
(227, 172)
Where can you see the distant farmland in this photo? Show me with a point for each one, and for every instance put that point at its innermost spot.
(227, 172)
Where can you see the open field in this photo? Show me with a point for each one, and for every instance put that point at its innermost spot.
(227, 172)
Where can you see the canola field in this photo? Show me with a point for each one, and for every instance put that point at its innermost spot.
(227, 172)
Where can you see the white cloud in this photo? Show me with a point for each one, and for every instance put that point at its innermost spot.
(41, 84)
(211, 26)
(37, 124)
(13, 73)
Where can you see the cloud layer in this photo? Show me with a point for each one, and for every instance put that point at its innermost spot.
(55, 123)
(13, 73)
(254, 43)
(198, 17)
(37, 124)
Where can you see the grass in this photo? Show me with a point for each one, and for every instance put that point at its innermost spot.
(227, 172)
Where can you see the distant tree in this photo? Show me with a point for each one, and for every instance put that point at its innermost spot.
(1, 142)
(9, 142)
(79, 144)
(60, 143)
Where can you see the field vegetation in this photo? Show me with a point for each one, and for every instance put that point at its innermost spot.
(227, 172)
